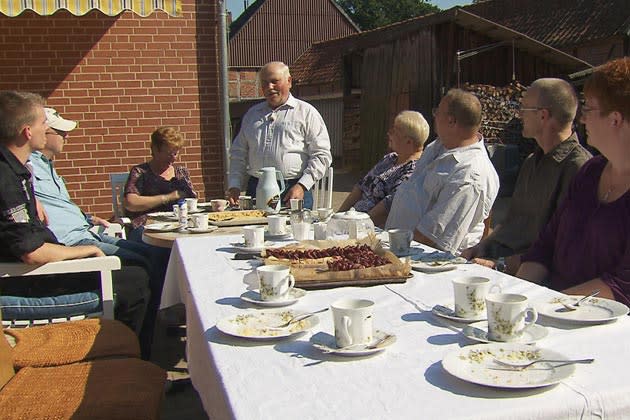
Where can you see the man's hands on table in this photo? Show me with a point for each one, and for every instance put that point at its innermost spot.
(296, 191)
(232, 195)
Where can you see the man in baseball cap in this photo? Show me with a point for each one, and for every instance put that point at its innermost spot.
(57, 123)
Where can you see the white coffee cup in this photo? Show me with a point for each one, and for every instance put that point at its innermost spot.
(352, 320)
(176, 210)
(191, 204)
(296, 204)
(470, 295)
(320, 230)
(301, 230)
(254, 236)
(277, 224)
(245, 202)
(400, 241)
(507, 313)
(200, 221)
(218, 204)
(323, 213)
(275, 282)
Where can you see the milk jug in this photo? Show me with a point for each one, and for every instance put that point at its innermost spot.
(267, 191)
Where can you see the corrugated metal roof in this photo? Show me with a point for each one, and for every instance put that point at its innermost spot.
(559, 23)
(281, 30)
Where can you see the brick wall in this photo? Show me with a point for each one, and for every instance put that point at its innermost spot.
(121, 77)
(244, 84)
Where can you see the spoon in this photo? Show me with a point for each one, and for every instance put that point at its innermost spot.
(382, 342)
(574, 306)
(297, 318)
(516, 366)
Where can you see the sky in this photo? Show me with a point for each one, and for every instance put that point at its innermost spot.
(236, 6)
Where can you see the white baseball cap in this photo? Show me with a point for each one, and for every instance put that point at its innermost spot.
(55, 121)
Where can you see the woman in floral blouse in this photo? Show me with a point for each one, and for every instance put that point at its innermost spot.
(374, 193)
(157, 184)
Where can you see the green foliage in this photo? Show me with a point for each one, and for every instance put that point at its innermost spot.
(370, 14)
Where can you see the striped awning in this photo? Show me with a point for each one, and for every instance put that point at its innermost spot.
(81, 7)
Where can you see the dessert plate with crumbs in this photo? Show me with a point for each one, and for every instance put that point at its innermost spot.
(259, 325)
(476, 364)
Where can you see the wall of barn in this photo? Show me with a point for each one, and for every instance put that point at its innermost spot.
(121, 77)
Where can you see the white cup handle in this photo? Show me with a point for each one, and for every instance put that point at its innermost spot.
(345, 330)
(534, 315)
(495, 288)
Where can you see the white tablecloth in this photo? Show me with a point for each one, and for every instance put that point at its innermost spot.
(289, 379)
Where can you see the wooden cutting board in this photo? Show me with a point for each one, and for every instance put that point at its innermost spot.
(327, 283)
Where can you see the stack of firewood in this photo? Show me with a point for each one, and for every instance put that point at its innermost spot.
(500, 119)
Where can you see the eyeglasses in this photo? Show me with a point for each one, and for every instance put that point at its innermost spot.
(55, 132)
(586, 109)
(523, 108)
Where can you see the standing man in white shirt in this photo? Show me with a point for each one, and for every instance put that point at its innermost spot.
(283, 132)
(451, 192)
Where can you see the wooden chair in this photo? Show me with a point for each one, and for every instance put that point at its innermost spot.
(102, 265)
(322, 193)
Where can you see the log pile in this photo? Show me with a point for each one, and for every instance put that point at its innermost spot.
(500, 119)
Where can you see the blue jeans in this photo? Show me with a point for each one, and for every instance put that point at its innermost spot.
(154, 259)
(252, 183)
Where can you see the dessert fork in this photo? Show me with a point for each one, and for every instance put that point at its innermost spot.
(297, 318)
(574, 306)
(520, 366)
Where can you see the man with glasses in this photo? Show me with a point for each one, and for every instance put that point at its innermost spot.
(72, 227)
(451, 192)
(547, 110)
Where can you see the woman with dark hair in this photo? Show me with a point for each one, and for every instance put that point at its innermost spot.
(586, 245)
(157, 184)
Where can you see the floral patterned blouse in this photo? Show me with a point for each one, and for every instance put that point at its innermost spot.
(143, 181)
(382, 181)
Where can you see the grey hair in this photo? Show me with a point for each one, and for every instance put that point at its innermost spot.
(284, 69)
(413, 125)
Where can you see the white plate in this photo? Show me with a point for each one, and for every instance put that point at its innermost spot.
(253, 296)
(239, 246)
(432, 267)
(479, 332)
(271, 237)
(476, 364)
(594, 310)
(255, 324)
(201, 230)
(161, 214)
(326, 343)
(162, 227)
(448, 313)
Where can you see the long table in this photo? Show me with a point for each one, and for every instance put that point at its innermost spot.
(289, 379)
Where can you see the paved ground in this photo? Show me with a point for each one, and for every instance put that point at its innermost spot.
(182, 402)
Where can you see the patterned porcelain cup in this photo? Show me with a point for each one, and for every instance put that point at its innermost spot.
(275, 282)
(254, 236)
(200, 221)
(353, 321)
(277, 224)
(507, 313)
(191, 203)
(400, 241)
(470, 295)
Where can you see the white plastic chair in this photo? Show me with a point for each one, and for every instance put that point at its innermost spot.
(103, 265)
(117, 181)
(322, 193)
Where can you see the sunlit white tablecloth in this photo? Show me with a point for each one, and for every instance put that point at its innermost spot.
(289, 379)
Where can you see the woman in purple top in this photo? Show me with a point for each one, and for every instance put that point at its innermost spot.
(375, 191)
(157, 184)
(586, 245)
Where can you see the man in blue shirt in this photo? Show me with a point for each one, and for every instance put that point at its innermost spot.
(72, 227)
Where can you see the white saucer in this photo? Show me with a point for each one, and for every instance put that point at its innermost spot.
(479, 332)
(327, 343)
(161, 214)
(435, 262)
(162, 227)
(201, 230)
(280, 237)
(253, 296)
(448, 313)
(594, 310)
(240, 246)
